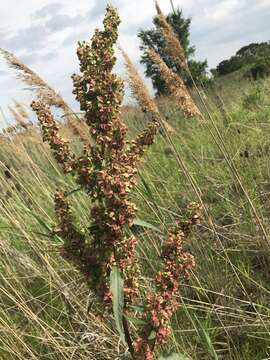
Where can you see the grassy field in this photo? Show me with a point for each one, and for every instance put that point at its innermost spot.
(222, 163)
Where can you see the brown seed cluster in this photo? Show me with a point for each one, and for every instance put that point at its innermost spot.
(74, 240)
(176, 86)
(177, 265)
(61, 150)
(162, 302)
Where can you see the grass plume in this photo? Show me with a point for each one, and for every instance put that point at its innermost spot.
(176, 86)
(173, 45)
(141, 93)
(44, 91)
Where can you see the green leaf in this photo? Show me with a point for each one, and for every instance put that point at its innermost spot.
(148, 191)
(173, 356)
(146, 225)
(71, 113)
(117, 284)
(39, 220)
(136, 321)
(139, 308)
(152, 335)
(206, 339)
(147, 188)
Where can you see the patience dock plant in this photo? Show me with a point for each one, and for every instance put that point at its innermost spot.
(106, 171)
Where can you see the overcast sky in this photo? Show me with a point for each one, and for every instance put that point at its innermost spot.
(44, 33)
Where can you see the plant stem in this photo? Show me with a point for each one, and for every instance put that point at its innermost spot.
(128, 337)
(173, 8)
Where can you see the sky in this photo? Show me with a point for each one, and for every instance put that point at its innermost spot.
(44, 34)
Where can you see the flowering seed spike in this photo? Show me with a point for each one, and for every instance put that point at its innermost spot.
(44, 92)
(141, 94)
(176, 86)
(174, 47)
(162, 302)
(112, 174)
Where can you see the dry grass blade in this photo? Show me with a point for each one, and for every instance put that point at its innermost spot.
(18, 118)
(10, 130)
(141, 94)
(79, 129)
(21, 109)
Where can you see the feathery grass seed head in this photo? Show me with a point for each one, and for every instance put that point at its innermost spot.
(176, 86)
(141, 94)
(173, 44)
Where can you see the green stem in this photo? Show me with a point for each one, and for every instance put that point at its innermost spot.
(128, 337)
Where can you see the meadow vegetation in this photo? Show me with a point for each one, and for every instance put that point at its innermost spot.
(208, 147)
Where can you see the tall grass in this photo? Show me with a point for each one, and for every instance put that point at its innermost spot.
(46, 307)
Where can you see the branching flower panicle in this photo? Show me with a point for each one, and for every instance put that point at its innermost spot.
(177, 265)
(107, 170)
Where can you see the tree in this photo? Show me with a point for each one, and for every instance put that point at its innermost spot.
(253, 55)
(154, 39)
(228, 66)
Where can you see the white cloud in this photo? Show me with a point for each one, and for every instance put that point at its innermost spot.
(47, 10)
(223, 9)
(44, 33)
